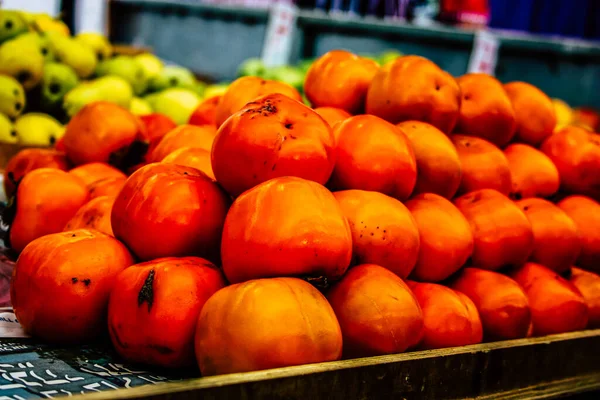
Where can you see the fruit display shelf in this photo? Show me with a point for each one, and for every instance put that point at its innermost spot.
(536, 368)
(214, 40)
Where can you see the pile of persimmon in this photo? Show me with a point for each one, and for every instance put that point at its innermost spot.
(402, 209)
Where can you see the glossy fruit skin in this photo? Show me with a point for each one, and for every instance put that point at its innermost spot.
(147, 294)
(266, 323)
(533, 174)
(445, 237)
(588, 284)
(449, 317)
(286, 226)
(77, 271)
(206, 112)
(502, 233)
(484, 166)
(556, 240)
(201, 137)
(332, 115)
(501, 302)
(438, 165)
(377, 312)
(556, 305)
(270, 137)
(374, 155)
(99, 131)
(46, 199)
(157, 125)
(247, 89)
(485, 110)
(192, 157)
(106, 187)
(168, 210)
(94, 172)
(585, 212)
(576, 154)
(534, 112)
(414, 88)
(28, 160)
(383, 230)
(340, 79)
(95, 214)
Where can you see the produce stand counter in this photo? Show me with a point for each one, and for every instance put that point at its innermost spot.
(535, 368)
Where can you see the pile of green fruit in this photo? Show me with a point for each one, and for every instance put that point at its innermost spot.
(47, 75)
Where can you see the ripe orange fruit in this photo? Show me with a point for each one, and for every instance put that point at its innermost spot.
(286, 226)
(147, 295)
(377, 312)
(383, 230)
(445, 237)
(502, 233)
(28, 160)
(373, 154)
(245, 90)
(206, 112)
(588, 284)
(332, 115)
(95, 172)
(534, 111)
(266, 323)
(95, 214)
(61, 284)
(192, 157)
(414, 88)
(585, 212)
(485, 110)
(271, 137)
(484, 166)
(438, 165)
(201, 137)
(340, 79)
(533, 174)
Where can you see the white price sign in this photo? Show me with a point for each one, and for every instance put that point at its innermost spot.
(280, 30)
(9, 326)
(484, 56)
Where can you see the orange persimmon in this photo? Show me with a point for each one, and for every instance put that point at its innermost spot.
(28, 160)
(332, 115)
(533, 174)
(192, 157)
(94, 172)
(585, 212)
(206, 112)
(588, 284)
(95, 214)
(201, 137)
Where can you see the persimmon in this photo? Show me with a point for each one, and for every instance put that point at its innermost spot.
(533, 174)
(438, 164)
(383, 230)
(95, 172)
(245, 90)
(484, 166)
(556, 305)
(449, 317)
(266, 323)
(485, 110)
(27, 160)
(414, 88)
(169, 210)
(95, 214)
(340, 79)
(206, 112)
(61, 284)
(147, 295)
(286, 226)
(445, 237)
(587, 116)
(106, 187)
(502, 304)
(157, 125)
(46, 199)
(576, 154)
(377, 312)
(585, 212)
(534, 112)
(332, 115)
(272, 136)
(502, 233)
(373, 154)
(588, 284)
(201, 137)
(192, 157)
(556, 241)
(101, 132)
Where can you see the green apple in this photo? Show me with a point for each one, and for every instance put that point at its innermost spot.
(388, 56)
(293, 76)
(172, 77)
(22, 60)
(57, 81)
(113, 89)
(73, 53)
(12, 24)
(176, 103)
(97, 42)
(8, 134)
(151, 65)
(127, 68)
(38, 130)
(252, 67)
(12, 97)
(140, 106)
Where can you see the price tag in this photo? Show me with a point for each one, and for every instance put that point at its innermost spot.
(485, 53)
(9, 326)
(279, 38)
